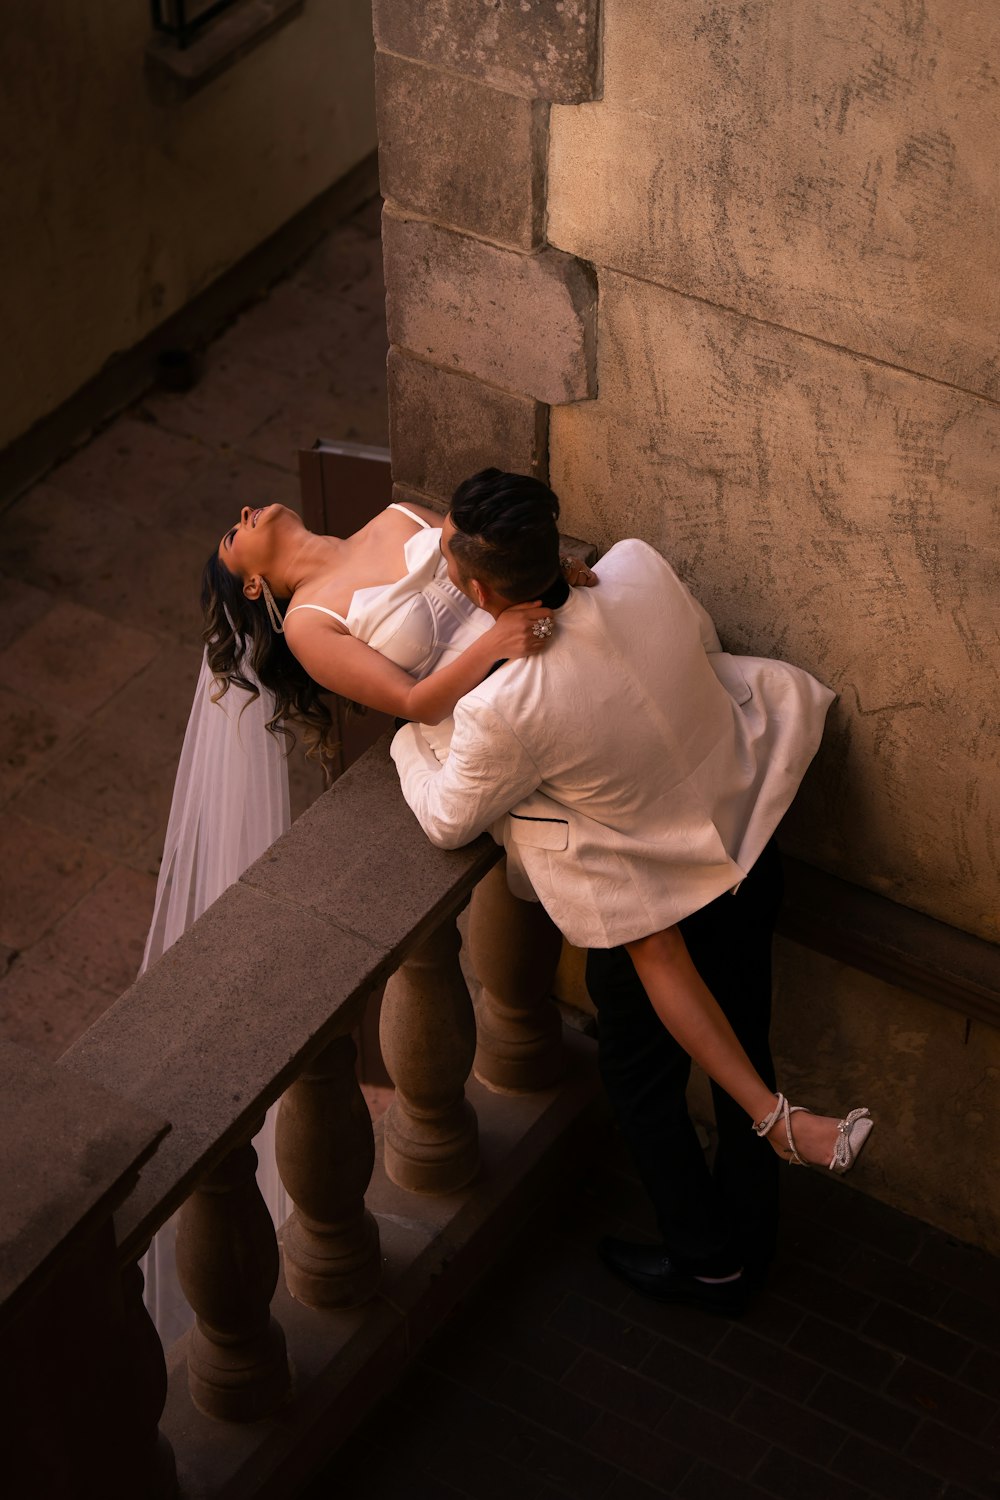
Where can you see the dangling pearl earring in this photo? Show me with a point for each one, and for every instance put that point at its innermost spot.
(273, 612)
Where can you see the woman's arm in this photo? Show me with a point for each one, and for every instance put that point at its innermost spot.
(354, 670)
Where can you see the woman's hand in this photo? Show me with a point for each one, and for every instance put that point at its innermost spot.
(521, 630)
(577, 574)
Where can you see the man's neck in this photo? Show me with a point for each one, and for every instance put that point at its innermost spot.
(556, 594)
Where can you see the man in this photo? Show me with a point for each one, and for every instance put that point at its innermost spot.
(644, 771)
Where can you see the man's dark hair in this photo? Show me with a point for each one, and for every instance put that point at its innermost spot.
(506, 533)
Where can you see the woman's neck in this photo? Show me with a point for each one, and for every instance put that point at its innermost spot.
(305, 562)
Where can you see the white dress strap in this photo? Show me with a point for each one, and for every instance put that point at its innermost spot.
(419, 519)
(322, 610)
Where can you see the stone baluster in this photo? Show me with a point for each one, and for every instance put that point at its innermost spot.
(227, 1260)
(428, 1038)
(326, 1153)
(146, 1392)
(514, 948)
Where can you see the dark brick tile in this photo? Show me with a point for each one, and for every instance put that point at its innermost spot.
(792, 1478)
(548, 1269)
(427, 1407)
(959, 1265)
(458, 1462)
(765, 1364)
(617, 1390)
(813, 1289)
(803, 1432)
(682, 1325)
(627, 1487)
(883, 1473)
(698, 1379)
(618, 1337)
(366, 1472)
(708, 1436)
(982, 1372)
(845, 1211)
(544, 1402)
(772, 1316)
(463, 1359)
(933, 1395)
(863, 1412)
(707, 1483)
(568, 1266)
(907, 1333)
(530, 1344)
(955, 1458)
(564, 1466)
(844, 1352)
(968, 1316)
(802, 1239)
(881, 1276)
(639, 1452)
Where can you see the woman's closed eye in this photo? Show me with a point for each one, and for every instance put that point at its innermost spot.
(227, 540)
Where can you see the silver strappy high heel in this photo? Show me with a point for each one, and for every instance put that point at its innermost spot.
(852, 1133)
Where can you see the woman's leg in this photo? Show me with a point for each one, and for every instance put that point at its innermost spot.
(695, 1020)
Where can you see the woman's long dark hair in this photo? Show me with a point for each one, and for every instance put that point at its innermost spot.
(238, 634)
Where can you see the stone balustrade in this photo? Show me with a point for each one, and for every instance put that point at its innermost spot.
(389, 1228)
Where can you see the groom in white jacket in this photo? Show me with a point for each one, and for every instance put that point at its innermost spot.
(644, 771)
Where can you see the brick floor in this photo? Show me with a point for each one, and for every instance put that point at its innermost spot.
(860, 1378)
(99, 577)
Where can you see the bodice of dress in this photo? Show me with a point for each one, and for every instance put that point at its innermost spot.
(422, 621)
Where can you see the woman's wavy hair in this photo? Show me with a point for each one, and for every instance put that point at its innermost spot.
(239, 635)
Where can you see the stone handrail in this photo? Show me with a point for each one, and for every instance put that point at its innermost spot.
(257, 1001)
(322, 919)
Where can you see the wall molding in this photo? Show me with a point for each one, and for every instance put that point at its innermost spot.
(892, 942)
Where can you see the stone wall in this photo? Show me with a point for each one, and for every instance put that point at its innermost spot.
(792, 210)
(119, 208)
(788, 215)
(489, 325)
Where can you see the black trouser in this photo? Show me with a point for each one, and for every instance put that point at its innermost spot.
(711, 1222)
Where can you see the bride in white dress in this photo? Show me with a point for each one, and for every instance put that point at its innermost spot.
(372, 617)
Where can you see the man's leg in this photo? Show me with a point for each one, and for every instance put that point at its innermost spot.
(730, 943)
(709, 1224)
(646, 1072)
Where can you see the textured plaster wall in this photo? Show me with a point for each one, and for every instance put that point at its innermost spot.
(792, 212)
(118, 210)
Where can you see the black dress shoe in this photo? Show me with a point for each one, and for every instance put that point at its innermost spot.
(648, 1269)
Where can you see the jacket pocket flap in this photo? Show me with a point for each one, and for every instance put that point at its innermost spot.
(539, 833)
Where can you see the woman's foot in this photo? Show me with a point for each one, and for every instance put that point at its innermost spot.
(815, 1140)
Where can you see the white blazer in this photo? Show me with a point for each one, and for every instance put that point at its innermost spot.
(643, 768)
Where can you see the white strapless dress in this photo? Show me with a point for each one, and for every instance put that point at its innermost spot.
(230, 803)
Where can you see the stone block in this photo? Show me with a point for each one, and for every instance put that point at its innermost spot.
(526, 323)
(837, 513)
(461, 152)
(444, 427)
(837, 176)
(548, 49)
